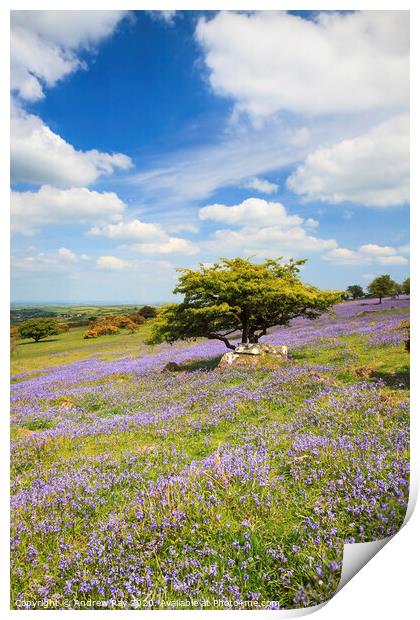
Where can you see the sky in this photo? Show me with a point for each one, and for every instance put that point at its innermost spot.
(147, 141)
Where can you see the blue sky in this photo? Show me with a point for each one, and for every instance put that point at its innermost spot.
(143, 142)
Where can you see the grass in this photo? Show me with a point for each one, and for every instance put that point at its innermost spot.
(71, 346)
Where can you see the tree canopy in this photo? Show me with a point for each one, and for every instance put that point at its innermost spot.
(236, 295)
(149, 312)
(37, 329)
(355, 291)
(382, 286)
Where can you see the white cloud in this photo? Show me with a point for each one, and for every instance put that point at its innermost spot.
(166, 16)
(265, 229)
(367, 254)
(67, 254)
(251, 212)
(49, 205)
(45, 45)
(172, 245)
(40, 156)
(372, 169)
(132, 231)
(271, 61)
(311, 223)
(112, 262)
(146, 238)
(265, 242)
(392, 260)
(377, 250)
(261, 185)
(344, 256)
(63, 260)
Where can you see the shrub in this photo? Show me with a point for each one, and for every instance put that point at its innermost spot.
(137, 318)
(101, 329)
(125, 322)
(108, 325)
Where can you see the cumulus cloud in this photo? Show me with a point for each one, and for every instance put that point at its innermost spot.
(272, 61)
(32, 210)
(269, 241)
(261, 185)
(112, 262)
(172, 245)
(251, 212)
(265, 228)
(372, 169)
(46, 45)
(145, 237)
(372, 249)
(40, 156)
(392, 260)
(367, 254)
(132, 231)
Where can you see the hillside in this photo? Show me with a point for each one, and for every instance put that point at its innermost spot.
(240, 485)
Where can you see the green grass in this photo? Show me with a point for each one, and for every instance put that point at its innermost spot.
(71, 346)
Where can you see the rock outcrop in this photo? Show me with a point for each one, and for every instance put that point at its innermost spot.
(252, 354)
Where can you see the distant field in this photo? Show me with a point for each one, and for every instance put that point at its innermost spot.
(20, 313)
(237, 484)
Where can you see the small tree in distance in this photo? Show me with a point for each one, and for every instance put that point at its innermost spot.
(406, 286)
(236, 295)
(149, 312)
(355, 291)
(382, 286)
(37, 329)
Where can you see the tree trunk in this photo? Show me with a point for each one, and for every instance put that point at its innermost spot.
(245, 331)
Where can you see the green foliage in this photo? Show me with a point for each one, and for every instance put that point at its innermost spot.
(398, 289)
(148, 312)
(37, 329)
(382, 286)
(355, 291)
(238, 295)
(406, 286)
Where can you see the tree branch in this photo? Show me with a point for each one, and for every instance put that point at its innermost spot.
(222, 338)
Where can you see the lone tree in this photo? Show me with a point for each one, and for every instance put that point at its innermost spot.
(355, 291)
(406, 286)
(37, 329)
(382, 286)
(236, 295)
(148, 312)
